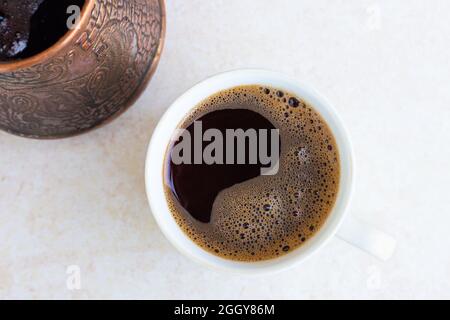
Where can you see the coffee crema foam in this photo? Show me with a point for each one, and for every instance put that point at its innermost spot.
(269, 216)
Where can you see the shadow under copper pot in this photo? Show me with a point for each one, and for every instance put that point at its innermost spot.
(90, 76)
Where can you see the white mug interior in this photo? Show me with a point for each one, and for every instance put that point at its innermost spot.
(174, 115)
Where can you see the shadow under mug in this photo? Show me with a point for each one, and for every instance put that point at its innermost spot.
(367, 238)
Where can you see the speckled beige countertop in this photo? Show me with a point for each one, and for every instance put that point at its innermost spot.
(79, 204)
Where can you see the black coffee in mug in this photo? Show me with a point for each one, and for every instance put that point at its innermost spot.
(236, 204)
(28, 27)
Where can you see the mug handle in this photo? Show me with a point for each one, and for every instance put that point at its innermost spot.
(367, 238)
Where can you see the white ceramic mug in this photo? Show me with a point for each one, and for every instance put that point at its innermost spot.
(359, 234)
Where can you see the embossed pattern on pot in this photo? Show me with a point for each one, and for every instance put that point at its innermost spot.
(90, 76)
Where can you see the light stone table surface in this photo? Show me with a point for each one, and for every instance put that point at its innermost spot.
(383, 63)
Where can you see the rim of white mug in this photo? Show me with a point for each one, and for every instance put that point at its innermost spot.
(160, 140)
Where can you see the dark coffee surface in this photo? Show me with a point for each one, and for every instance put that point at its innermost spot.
(256, 217)
(28, 27)
(192, 183)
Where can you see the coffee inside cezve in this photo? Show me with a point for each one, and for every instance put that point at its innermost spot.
(28, 27)
(233, 211)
